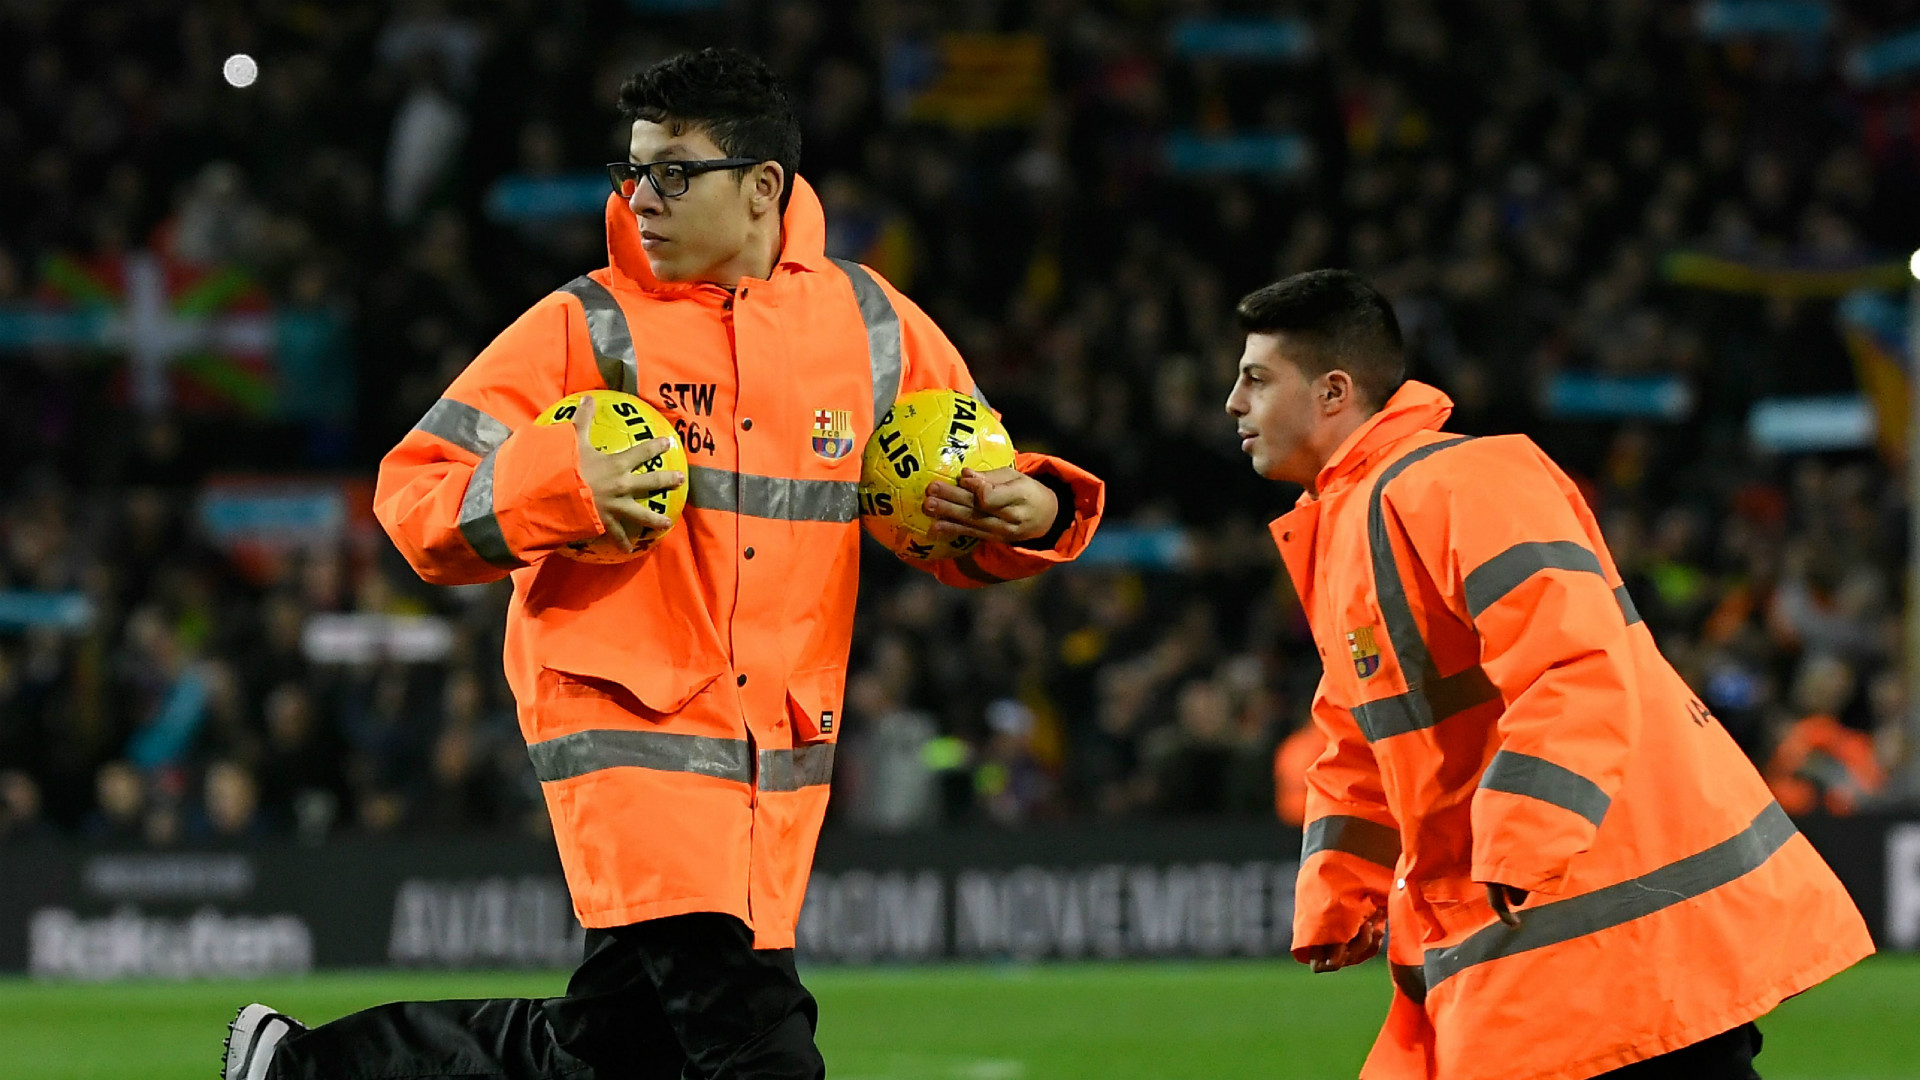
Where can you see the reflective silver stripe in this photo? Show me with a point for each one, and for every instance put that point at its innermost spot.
(779, 498)
(980, 396)
(584, 752)
(1625, 600)
(464, 426)
(1538, 778)
(883, 335)
(1425, 706)
(607, 329)
(1403, 633)
(1504, 573)
(1370, 840)
(477, 521)
(800, 767)
(1602, 909)
(1429, 698)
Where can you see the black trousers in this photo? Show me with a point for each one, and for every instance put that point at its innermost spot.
(680, 998)
(1727, 1056)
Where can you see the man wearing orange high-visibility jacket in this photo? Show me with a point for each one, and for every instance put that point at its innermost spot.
(681, 709)
(1578, 872)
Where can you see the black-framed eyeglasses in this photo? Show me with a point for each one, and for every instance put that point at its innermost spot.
(670, 179)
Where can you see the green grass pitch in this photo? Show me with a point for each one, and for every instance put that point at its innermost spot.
(1216, 1021)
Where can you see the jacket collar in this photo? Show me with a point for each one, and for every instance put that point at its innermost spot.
(1413, 408)
(804, 227)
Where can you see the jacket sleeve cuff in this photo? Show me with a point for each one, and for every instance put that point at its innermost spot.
(1063, 520)
(994, 562)
(539, 498)
(1335, 895)
(1330, 922)
(1083, 499)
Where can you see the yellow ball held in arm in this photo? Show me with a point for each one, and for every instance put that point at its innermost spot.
(620, 421)
(928, 435)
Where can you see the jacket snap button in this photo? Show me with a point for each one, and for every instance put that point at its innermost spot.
(749, 553)
(747, 424)
(741, 681)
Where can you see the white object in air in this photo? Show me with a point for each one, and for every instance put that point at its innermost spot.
(240, 70)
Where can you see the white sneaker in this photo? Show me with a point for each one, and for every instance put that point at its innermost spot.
(251, 1039)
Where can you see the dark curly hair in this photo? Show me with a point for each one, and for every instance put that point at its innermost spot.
(733, 97)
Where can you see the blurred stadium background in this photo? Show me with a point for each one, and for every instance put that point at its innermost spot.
(1669, 241)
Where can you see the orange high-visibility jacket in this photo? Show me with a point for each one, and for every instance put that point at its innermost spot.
(1497, 712)
(681, 710)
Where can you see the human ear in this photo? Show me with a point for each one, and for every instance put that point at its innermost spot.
(1339, 388)
(768, 181)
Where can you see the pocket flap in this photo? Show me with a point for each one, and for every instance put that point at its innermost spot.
(813, 704)
(659, 689)
(1448, 907)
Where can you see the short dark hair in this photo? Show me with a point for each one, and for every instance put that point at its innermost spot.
(1349, 325)
(732, 96)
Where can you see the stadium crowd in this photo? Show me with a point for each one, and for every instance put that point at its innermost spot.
(1516, 175)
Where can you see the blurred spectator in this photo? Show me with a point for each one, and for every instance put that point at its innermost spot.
(1297, 753)
(1014, 786)
(387, 762)
(1188, 761)
(1887, 704)
(120, 804)
(1821, 763)
(888, 782)
(1824, 607)
(474, 760)
(427, 134)
(301, 776)
(20, 809)
(230, 804)
(166, 820)
(218, 223)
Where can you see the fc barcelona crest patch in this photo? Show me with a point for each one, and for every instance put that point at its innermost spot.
(833, 433)
(1366, 654)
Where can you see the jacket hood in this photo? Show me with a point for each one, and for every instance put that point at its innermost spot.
(1413, 408)
(803, 229)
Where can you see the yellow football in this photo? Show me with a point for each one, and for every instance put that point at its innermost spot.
(620, 421)
(928, 435)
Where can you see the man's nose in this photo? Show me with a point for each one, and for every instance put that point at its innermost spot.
(645, 200)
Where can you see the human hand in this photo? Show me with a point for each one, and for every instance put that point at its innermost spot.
(1005, 505)
(1505, 898)
(617, 488)
(1363, 947)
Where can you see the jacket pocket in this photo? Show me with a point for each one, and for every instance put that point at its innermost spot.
(813, 704)
(650, 694)
(1449, 907)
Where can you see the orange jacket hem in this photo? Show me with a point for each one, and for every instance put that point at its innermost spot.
(628, 914)
(1832, 962)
